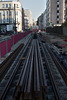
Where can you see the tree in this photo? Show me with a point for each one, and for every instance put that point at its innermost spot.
(38, 21)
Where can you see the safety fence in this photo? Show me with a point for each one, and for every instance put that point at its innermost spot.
(6, 44)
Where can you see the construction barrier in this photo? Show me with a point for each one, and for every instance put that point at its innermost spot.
(3, 48)
(6, 45)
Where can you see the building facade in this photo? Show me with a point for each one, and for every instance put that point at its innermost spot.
(55, 12)
(44, 19)
(26, 21)
(11, 15)
(66, 10)
(28, 13)
(41, 22)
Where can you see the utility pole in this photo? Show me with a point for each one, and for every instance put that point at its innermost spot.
(66, 10)
(0, 51)
(14, 18)
(0, 22)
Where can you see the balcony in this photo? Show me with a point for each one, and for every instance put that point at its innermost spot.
(57, 19)
(58, 3)
(57, 14)
(57, 8)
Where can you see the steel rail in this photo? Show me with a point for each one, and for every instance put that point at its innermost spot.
(38, 92)
(23, 75)
(55, 83)
(35, 76)
(8, 62)
(28, 87)
(37, 69)
(47, 63)
(7, 86)
(59, 66)
(17, 88)
(43, 79)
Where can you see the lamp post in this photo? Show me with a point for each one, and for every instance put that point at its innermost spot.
(0, 21)
(0, 51)
(14, 19)
(66, 10)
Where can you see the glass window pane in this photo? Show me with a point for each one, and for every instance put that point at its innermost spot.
(3, 6)
(10, 5)
(6, 5)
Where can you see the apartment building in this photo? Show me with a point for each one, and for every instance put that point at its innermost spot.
(28, 13)
(41, 22)
(26, 21)
(10, 15)
(44, 19)
(55, 12)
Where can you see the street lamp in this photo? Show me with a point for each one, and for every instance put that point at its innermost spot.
(0, 21)
(0, 51)
(14, 22)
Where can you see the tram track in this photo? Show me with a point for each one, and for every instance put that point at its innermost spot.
(59, 86)
(59, 65)
(9, 77)
(32, 84)
(33, 75)
(4, 67)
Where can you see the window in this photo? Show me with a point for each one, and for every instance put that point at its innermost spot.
(10, 5)
(3, 6)
(14, 5)
(57, 22)
(57, 16)
(3, 13)
(57, 0)
(4, 20)
(57, 5)
(10, 13)
(7, 19)
(57, 11)
(6, 5)
(7, 12)
(10, 20)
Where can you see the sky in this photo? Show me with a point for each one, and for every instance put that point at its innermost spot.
(36, 7)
